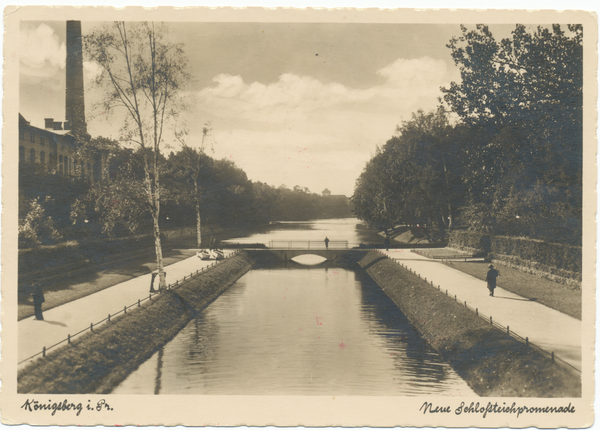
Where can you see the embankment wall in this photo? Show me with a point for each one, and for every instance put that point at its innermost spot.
(492, 363)
(557, 262)
(98, 362)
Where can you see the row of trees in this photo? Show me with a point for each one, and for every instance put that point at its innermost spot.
(195, 189)
(512, 161)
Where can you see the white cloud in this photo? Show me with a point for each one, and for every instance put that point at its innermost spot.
(91, 70)
(301, 131)
(42, 55)
(410, 79)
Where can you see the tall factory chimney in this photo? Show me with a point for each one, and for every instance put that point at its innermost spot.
(75, 106)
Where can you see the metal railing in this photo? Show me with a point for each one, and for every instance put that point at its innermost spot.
(308, 244)
(137, 304)
(495, 324)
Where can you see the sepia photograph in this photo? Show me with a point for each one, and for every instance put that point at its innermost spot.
(299, 217)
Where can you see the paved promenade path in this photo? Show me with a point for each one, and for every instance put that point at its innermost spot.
(77, 315)
(549, 329)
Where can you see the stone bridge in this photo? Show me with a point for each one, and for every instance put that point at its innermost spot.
(288, 254)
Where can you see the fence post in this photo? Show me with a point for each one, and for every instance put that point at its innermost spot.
(507, 330)
(491, 320)
(92, 327)
(124, 309)
(527, 341)
(108, 317)
(446, 292)
(139, 303)
(44, 352)
(465, 303)
(477, 311)
(455, 297)
(69, 339)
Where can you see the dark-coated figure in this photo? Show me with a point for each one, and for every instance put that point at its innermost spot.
(38, 299)
(492, 274)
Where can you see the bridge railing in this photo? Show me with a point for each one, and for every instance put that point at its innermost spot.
(307, 244)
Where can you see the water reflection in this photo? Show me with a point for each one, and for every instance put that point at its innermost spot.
(304, 331)
(317, 230)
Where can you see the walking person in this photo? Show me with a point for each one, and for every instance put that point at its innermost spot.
(492, 274)
(326, 242)
(386, 242)
(38, 299)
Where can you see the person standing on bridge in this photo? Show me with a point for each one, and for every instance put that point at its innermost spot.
(492, 274)
(326, 242)
(38, 299)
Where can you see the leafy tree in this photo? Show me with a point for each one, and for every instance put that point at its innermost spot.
(231, 194)
(119, 205)
(414, 178)
(265, 199)
(36, 183)
(521, 100)
(143, 75)
(36, 227)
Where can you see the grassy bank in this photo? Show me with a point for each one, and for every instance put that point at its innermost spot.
(73, 285)
(552, 294)
(99, 361)
(68, 272)
(491, 362)
(558, 296)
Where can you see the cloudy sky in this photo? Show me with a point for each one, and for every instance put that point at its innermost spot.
(296, 103)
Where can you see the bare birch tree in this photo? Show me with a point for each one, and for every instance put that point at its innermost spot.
(143, 75)
(189, 169)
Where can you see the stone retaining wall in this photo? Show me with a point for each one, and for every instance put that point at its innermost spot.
(554, 261)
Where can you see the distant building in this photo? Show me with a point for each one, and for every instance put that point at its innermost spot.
(55, 149)
(326, 193)
(54, 146)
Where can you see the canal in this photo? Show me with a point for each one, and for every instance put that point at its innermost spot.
(290, 329)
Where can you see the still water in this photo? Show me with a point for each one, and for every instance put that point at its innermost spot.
(315, 231)
(298, 330)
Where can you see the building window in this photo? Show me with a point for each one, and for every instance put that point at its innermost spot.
(42, 157)
(32, 155)
(42, 141)
(60, 163)
(32, 137)
(67, 171)
(22, 154)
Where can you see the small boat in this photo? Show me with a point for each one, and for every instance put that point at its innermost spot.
(203, 254)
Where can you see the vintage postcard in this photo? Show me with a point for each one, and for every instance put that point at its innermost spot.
(298, 217)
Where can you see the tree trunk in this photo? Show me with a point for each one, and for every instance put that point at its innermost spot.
(198, 225)
(159, 258)
(198, 219)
